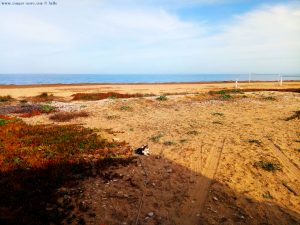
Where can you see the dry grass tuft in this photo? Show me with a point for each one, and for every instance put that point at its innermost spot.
(43, 97)
(6, 98)
(295, 116)
(67, 116)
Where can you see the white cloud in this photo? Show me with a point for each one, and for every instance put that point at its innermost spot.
(107, 39)
(24, 27)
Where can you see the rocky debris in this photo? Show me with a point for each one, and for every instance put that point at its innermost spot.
(67, 107)
(84, 206)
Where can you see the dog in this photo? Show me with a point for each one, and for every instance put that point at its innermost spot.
(144, 150)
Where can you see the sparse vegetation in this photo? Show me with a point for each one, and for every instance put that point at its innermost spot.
(267, 195)
(112, 117)
(169, 143)
(35, 161)
(218, 114)
(28, 146)
(192, 132)
(67, 116)
(269, 98)
(156, 138)
(183, 141)
(254, 141)
(295, 116)
(6, 120)
(125, 108)
(106, 95)
(27, 110)
(43, 97)
(228, 91)
(5, 98)
(47, 108)
(112, 97)
(268, 165)
(162, 98)
(225, 97)
(217, 122)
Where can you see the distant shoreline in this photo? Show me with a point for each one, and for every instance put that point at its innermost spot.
(8, 86)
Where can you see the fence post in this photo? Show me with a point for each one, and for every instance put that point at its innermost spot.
(249, 77)
(280, 80)
(236, 84)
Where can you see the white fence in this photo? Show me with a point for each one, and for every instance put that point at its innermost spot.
(270, 77)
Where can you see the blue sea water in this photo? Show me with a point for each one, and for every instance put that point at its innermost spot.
(127, 78)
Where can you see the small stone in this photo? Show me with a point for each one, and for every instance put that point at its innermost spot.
(66, 197)
(116, 139)
(169, 170)
(215, 198)
(151, 214)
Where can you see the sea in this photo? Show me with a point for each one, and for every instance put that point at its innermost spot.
(26, 79)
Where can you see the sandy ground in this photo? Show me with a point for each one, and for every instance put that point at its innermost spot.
(203, 168)
(68, 90)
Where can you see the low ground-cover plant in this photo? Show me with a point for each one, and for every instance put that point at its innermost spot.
(6, 120)
(113, 117)
(5, 98)
(156, 138)
(162, 98)
(26, 146)
(100, 96)
(43, 97)
(295, 116)
(27, 110)
(269, 98)
(67, 116)
(227, 91)
(268, 165)
(192, 132)
(169, 143)
(36, 161)
(225, 97)
(217, 122)
(254, 141)
(218, 114)
(126, 108)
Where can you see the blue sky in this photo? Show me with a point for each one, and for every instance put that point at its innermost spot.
(151, 37)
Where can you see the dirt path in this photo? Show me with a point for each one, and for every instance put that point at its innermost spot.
(201, 187)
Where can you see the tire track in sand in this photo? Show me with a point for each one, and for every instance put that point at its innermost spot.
(191, 210)
(294, 171)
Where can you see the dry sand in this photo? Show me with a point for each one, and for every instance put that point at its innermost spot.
(203, 168)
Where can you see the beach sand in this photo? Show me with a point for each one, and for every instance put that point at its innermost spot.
(205, 153)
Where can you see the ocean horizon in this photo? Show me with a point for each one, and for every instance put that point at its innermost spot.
(27, 79)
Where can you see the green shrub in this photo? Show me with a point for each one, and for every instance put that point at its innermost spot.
(156, 138)
(268, 166)
(47, 108)
(125, 108)
(162, 98)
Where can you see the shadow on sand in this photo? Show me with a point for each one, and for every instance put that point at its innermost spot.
(158, 185)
